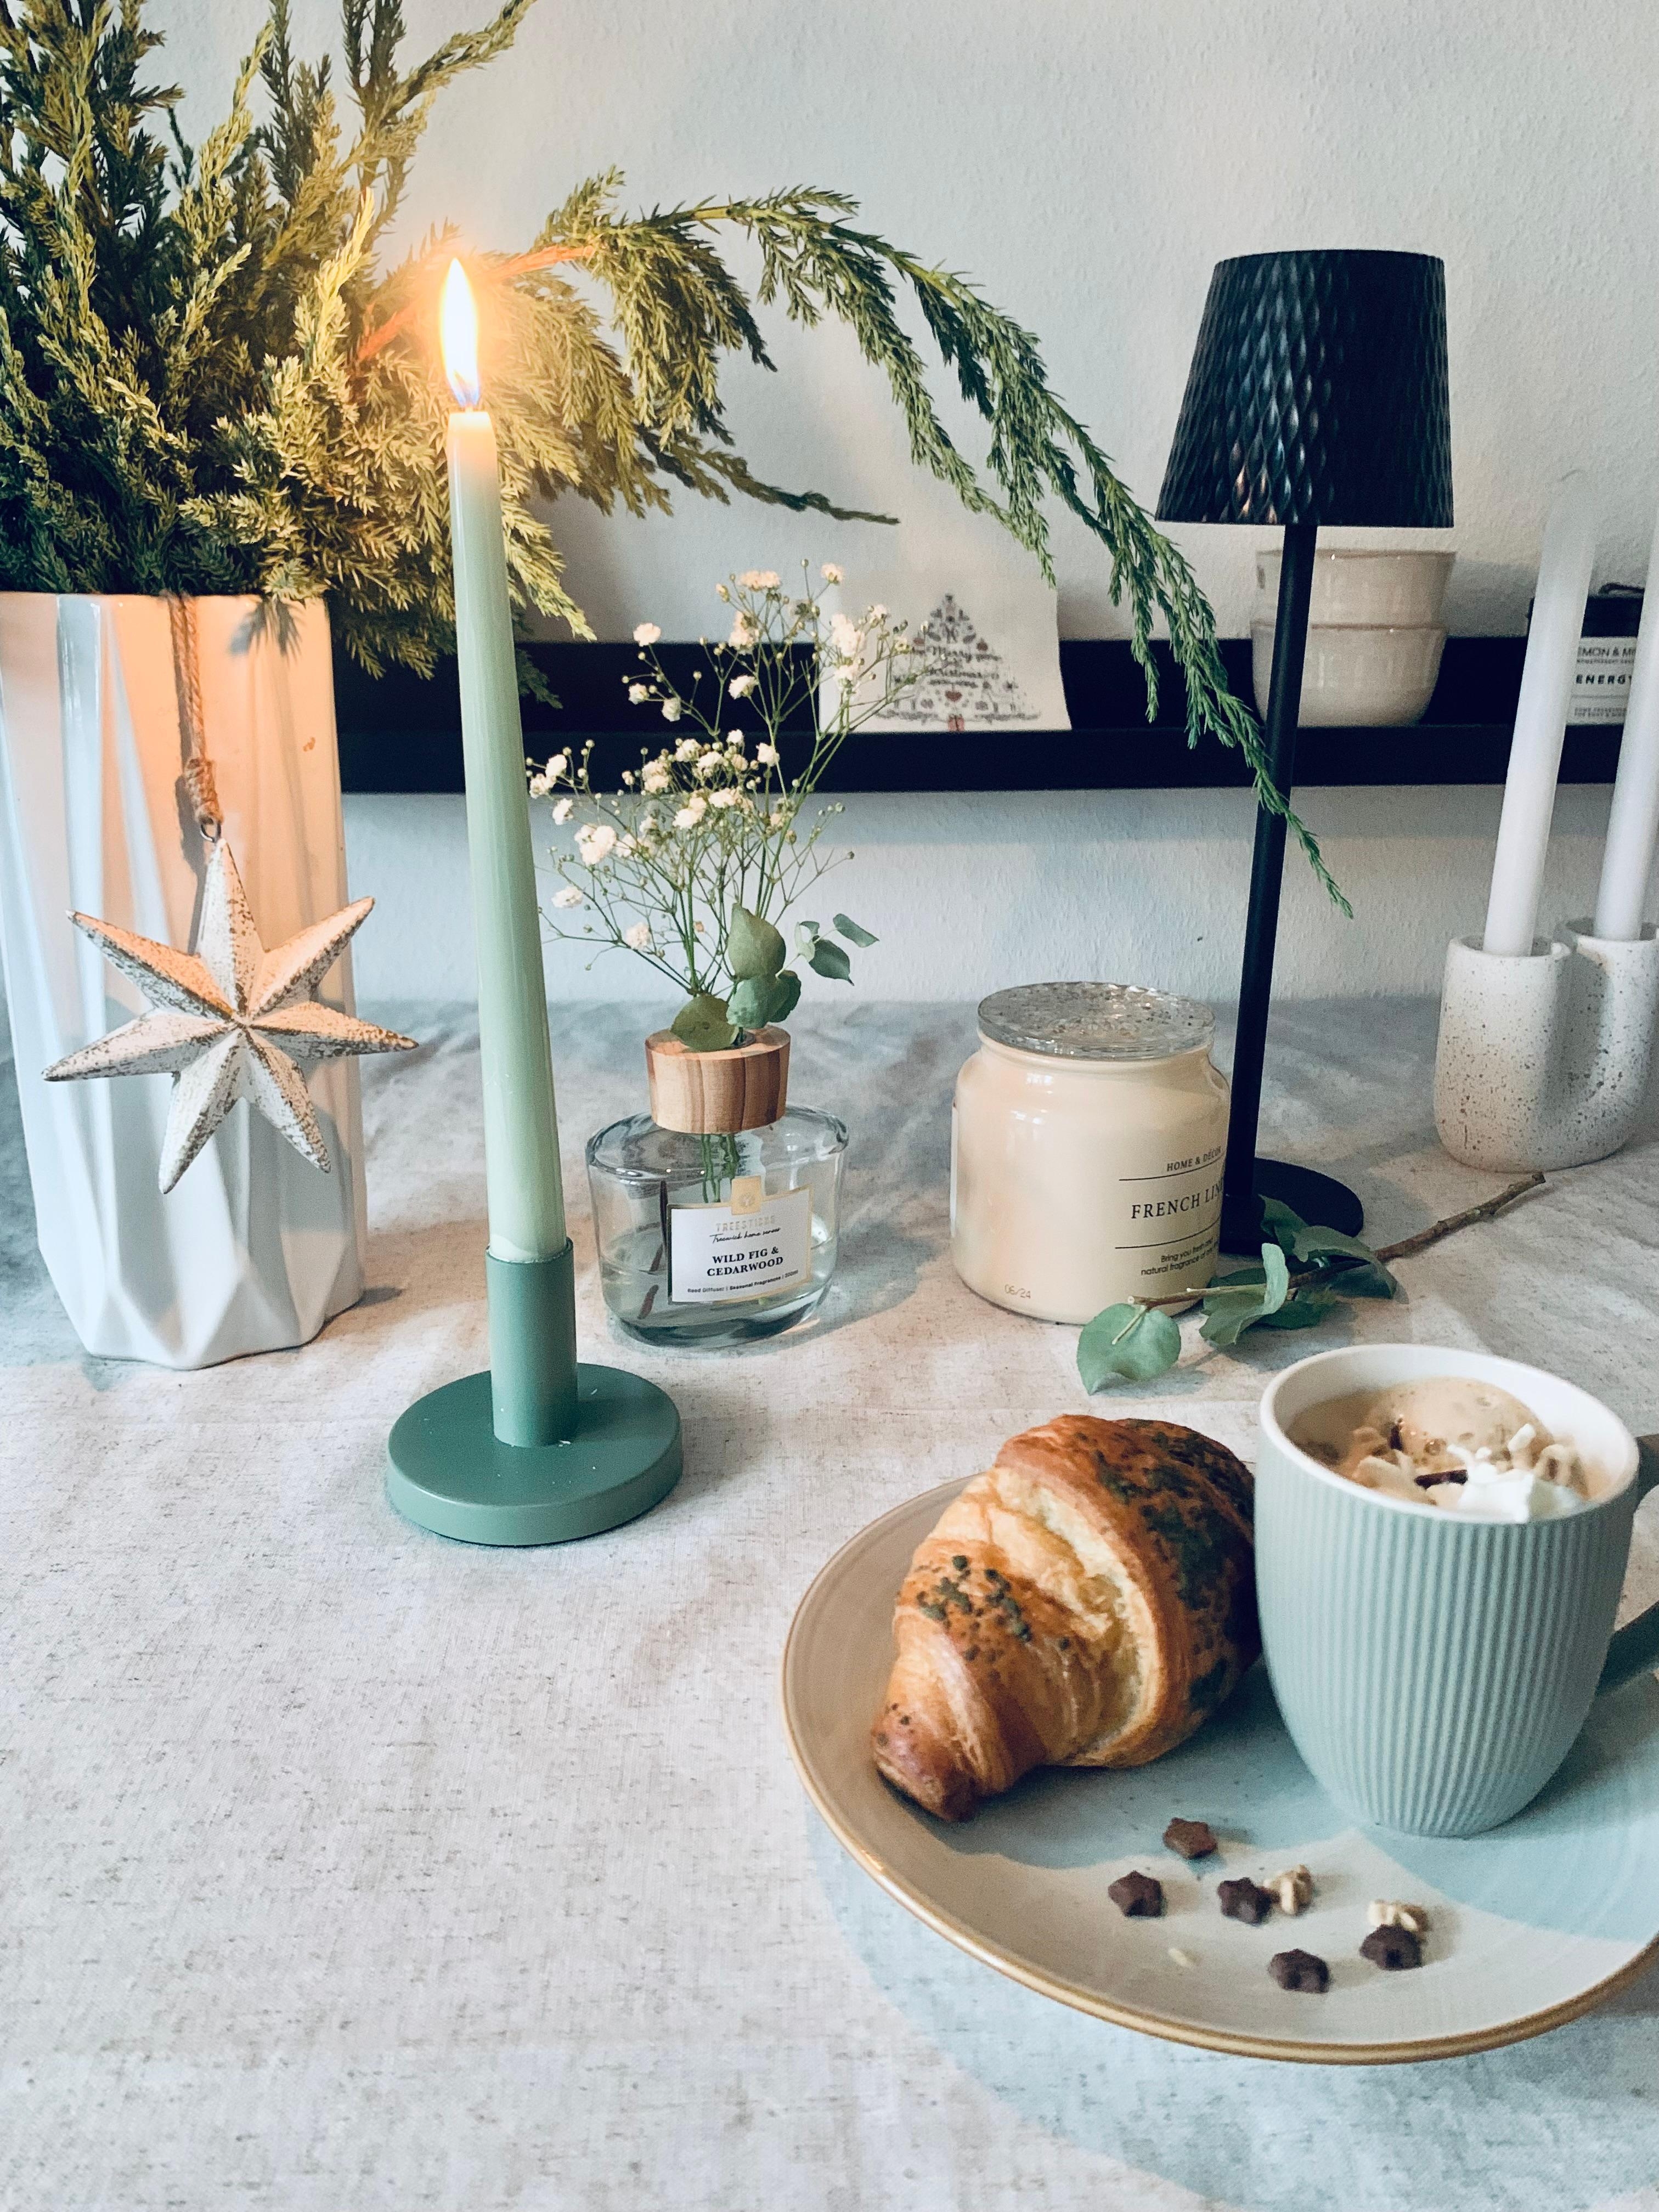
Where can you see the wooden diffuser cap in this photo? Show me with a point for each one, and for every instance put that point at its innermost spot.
(716, 1093)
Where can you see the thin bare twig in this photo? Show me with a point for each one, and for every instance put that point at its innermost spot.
(1486, 1211)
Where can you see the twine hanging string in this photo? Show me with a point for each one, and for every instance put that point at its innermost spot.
(197, 774)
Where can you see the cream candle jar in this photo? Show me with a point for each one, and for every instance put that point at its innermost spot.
(1086, 1146)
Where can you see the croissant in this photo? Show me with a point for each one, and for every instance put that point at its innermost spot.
(1089, 1601)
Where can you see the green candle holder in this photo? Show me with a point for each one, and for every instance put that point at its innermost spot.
(542, 1447)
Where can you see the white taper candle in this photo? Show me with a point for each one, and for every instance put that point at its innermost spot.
(1634, 823)
(1541, 719)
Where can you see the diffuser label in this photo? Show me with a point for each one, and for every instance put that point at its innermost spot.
(754, 1245)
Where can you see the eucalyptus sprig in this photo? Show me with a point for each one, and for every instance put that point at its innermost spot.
(1138, 1341)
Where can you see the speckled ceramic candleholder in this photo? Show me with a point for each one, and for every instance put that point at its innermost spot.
(1544, 1058)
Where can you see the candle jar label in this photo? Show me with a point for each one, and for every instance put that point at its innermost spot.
(752, 1245)
(1601, 683)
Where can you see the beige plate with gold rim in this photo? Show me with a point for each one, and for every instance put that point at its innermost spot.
(1531, 1925)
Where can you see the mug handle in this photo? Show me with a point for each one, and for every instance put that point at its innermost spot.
(1635, 1649)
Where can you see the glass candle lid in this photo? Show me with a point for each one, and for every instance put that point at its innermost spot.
(1095, 1021)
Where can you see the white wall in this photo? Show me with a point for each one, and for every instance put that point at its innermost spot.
(1087, 162)
(968, 893)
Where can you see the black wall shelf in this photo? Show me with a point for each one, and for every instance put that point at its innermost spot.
(399, 732)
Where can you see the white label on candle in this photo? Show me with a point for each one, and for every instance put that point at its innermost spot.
(1601, 683)
(753, 1245)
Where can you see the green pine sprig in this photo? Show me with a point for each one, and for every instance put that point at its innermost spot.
(210, 381)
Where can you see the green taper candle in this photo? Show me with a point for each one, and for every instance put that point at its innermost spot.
(541, 1449)
(521, 1138)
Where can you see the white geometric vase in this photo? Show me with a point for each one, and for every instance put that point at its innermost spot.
(254, 1249)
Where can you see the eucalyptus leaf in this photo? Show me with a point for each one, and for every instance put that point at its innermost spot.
(753, 948)
(1312, 1242)
(828, 959)
(785, 990)
(1238, 1301)
(703, 1024)
(846, 927)
(1224, 1325)
(1281, 1223)
(750, 1003)
(807, 936)
(1305, 1308)
(1127, 1343)
(1329, 1247)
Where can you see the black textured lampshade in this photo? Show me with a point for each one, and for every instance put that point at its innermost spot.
(1317, 394)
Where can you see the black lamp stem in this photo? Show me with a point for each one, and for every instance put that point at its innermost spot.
(1241, 1210)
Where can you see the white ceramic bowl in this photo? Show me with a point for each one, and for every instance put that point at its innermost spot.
(1355, 675)
(1392, 590)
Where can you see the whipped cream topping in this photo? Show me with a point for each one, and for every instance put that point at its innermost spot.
(1461, 1446)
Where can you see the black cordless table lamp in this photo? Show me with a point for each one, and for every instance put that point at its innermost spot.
(1317, 395)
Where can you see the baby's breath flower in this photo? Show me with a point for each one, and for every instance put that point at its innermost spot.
(712, 807)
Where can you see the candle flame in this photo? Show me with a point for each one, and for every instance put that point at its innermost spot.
(458, 323)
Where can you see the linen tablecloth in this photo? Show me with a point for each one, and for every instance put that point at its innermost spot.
(348, 1868)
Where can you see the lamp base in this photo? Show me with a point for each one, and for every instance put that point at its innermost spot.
(1317, 1198)
(450, 1472)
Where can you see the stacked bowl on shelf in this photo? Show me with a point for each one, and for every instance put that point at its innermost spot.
(1374, 637)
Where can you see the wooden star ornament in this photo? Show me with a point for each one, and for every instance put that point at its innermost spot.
(230, 1020)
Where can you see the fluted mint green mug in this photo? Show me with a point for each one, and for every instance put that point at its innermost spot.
(1434, 1671)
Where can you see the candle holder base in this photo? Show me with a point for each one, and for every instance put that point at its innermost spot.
(450, 1472)
(1544, 1057)
(1317, 1198)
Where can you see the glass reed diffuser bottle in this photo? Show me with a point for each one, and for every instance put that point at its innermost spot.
(716, 1212)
